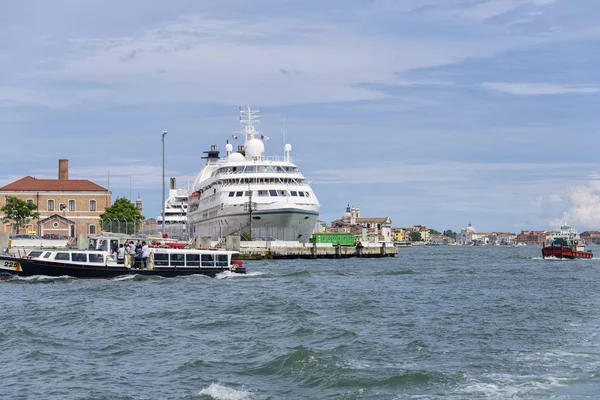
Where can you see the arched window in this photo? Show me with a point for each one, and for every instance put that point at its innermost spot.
(92, 229)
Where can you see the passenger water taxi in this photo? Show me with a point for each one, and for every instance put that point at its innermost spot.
(163, 262)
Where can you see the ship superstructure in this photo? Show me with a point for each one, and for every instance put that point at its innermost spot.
(175, 211)
(249, 194)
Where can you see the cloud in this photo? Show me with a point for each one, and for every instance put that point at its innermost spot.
(232, 61)
(472, 172)
(533, 89)
(486, 10)
(582, 204)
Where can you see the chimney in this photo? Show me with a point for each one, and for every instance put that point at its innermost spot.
(173, 183)
(63, 170)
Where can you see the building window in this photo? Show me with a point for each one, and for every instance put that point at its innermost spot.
(50, 205)
(92, 205)
(92, 229)
(71, 205)
(29, 201)
(55, 224)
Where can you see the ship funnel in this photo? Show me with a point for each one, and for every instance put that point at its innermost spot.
(173, 183)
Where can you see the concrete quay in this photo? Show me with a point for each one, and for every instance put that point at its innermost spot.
(258, 250)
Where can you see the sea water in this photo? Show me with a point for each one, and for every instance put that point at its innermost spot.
(434, 322)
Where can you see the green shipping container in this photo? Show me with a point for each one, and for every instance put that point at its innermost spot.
(343, 238)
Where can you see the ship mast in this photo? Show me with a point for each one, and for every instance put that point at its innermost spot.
(248, 118)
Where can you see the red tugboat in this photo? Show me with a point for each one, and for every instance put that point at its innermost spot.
(566, 243)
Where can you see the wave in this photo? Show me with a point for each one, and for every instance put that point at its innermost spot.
(399, 272)
(125, 278)
(303, 272)
(41, 279)
(220, 392)
(229, 274)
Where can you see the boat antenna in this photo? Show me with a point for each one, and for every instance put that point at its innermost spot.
(249, 117)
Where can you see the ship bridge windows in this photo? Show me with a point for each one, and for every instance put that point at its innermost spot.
(239, 194)
(222, 260)
(294, 193)
(208, 260)
(231, 194)
(62, 256)
(273, 192)
(96, 258)
(282, 193)
(177, 259)
(78, 257)
(301, 194)
(263, 193)
(161, 259)
(192, 260)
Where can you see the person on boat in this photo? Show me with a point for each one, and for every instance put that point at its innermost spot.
(121, 254)
(131, 254)
(145, 255)
(138, 256)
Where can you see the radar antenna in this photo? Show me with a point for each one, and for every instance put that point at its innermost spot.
(249, 116)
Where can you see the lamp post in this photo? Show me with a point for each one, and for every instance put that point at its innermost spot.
(163, 182)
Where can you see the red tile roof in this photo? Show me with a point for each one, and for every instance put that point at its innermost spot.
(31, 184)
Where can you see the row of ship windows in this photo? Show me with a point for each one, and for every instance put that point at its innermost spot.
(160, 259)
(255, 168)
(63, 206)
(265, 193)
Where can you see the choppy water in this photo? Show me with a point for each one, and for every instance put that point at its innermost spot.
(432, 323)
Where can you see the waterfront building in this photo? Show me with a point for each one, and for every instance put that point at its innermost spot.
(399, 234)
(469, 236)
(502, 238)
(534, 237)
(66, 206)
(590, 237)
(370, 229)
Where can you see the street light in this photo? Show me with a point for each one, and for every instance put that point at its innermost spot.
(163, 182)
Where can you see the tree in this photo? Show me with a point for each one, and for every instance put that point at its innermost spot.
(434, 232)
(450, 233)
(122, 217)
(414, 236)
(18, 212)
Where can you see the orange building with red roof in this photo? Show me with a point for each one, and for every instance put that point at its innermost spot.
(66, 206)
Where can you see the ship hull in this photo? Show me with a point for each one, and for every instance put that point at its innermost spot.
(32, 267)
(285, 223)
(564, 252)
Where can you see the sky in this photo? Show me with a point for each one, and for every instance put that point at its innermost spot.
(430, 112)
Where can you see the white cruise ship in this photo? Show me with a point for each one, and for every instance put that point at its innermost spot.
(175, 211)
(248, 194)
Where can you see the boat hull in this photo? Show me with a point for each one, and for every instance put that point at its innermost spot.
(32, 267)
(9, 266)
(281, 223)
(565, 252)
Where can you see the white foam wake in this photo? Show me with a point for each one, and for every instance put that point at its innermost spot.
(220, 392)
(229, 274)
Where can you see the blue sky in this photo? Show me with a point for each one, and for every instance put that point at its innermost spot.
(431, 112)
